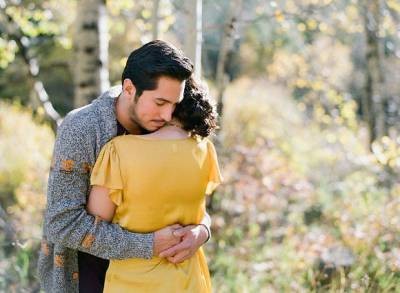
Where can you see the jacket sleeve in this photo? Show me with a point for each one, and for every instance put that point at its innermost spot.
(206, 221)
(67, 223)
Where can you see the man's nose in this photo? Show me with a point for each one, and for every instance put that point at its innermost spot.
(166, 114)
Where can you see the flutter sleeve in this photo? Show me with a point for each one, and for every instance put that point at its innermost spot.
(215, 177)
(107, 172)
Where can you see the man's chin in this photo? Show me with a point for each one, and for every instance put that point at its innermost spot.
(151, 128)
(155, 126)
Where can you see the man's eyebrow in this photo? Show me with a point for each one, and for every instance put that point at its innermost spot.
(164, 100)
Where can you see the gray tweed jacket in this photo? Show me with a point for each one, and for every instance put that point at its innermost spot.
(67, 226)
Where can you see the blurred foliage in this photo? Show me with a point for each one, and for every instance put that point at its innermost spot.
(307, 205)
(25, 151)
(318, 47)
(296, 189)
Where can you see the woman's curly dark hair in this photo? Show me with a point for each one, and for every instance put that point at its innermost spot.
(196, 112)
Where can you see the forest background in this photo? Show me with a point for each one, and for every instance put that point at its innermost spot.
(308, 93)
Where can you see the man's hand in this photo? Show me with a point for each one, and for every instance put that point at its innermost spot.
(165, 238)
(193, 236)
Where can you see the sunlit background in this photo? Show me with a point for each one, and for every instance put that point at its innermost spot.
(309, 98)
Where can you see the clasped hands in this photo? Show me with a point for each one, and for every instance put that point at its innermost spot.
(178, 243)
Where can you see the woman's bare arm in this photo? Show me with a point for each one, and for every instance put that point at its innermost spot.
(100, 204)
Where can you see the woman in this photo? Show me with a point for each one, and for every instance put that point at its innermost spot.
(146, 182)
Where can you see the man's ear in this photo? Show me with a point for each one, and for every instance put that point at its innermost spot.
(129, 87)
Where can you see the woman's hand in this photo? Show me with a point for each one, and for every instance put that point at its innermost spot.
(193, 237)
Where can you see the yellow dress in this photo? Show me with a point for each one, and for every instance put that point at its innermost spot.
(156, 183)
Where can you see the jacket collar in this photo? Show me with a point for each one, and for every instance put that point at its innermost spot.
(105, 107)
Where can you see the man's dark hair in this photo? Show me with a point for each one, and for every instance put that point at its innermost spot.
(148, 63)
(195, 112)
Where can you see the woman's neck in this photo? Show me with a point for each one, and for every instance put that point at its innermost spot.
(169, 131)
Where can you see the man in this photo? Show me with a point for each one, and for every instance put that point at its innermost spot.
(76, 245)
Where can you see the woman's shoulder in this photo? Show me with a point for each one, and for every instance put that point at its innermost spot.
(121, 140)
(146, 140)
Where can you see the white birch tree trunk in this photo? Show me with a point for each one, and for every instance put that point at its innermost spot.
(226, 46)
(155, 20)
(374, 100)
(193, 33)
(91, 49)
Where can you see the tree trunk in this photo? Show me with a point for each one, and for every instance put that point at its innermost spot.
(226, 46)
(374, 99)
(155, 20)
(193, 33)
(91, 47)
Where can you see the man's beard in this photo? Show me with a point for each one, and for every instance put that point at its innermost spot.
(143, 130)
(136, 121)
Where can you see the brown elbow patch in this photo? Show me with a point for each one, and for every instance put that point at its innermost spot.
(45, 247)
(67, 165)
(88, 240)
(75, 276)
(86, 168)
(59, 260)
(97, 220)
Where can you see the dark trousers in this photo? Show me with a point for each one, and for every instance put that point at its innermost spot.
(92, 273)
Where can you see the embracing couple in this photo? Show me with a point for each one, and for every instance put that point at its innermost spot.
(127, 186)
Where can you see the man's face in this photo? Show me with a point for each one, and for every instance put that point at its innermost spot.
(155, 107)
